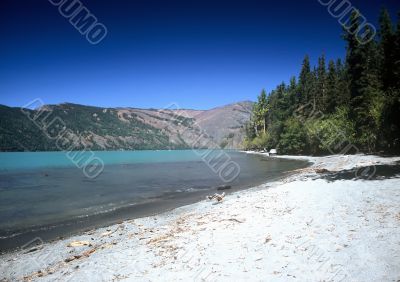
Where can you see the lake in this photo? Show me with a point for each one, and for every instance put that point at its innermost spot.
(46, 194)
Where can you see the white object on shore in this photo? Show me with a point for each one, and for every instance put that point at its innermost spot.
(273, 152)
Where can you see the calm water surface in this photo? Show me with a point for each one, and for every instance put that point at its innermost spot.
(45, 195)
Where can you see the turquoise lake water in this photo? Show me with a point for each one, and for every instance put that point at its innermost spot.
(35, 160)
(46, 194)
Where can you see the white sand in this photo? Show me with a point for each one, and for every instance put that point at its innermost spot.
(297, 229)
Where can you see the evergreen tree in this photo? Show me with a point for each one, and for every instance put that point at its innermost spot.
(320, 92)
(343, 86)
(361, 97)
(304, 81)
(292, 94)
(387, 50)
(391, 109)
(332, 90)
(369, 115)
(260, 112)
(283, 106)
(355, 74)
(397, 54)
(314, 91)
(354, 60)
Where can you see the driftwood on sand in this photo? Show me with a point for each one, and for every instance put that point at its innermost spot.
(218, 197)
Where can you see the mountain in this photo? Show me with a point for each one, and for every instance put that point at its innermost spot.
(75, 127)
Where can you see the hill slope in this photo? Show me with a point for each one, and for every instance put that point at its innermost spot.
(71, 126)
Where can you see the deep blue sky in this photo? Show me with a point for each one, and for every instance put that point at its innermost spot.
(199, 54)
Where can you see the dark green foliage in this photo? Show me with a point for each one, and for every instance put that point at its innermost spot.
(304, 94)
(390, 79)
(321, 80)
(14, 127)
(397, 54)
(19, 133)
(347, 108)
(354, 61)
(343, 97)
(387, 37)
(293, 139)
(260, 112)
(330, 100)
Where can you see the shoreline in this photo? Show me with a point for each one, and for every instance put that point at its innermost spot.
(164, 201)
(194, 241)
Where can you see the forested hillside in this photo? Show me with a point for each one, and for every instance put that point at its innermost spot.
(337, 107)
(98, 128)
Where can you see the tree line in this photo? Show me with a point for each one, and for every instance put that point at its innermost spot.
(345, 106)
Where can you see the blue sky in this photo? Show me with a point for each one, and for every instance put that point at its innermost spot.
(198, 54)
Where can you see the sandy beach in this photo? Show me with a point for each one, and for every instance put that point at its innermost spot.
(302, 228)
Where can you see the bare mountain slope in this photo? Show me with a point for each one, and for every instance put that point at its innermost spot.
(226, 123)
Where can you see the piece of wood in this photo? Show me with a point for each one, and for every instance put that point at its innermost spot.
(225, 187)
(78, 244)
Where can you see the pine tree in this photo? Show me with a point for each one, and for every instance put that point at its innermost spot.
(354, 66)
(260, 111)
(397, 54)
(320, 92)
(362, 70)
(314, 90)
(360, 96)
(387, 48)
(292, 94)
(343, 98)
(283, 101)
(369, 118)
(332, 91)
(391, 110)
(304, 81)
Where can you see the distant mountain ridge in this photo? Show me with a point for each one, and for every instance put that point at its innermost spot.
(67, 125)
